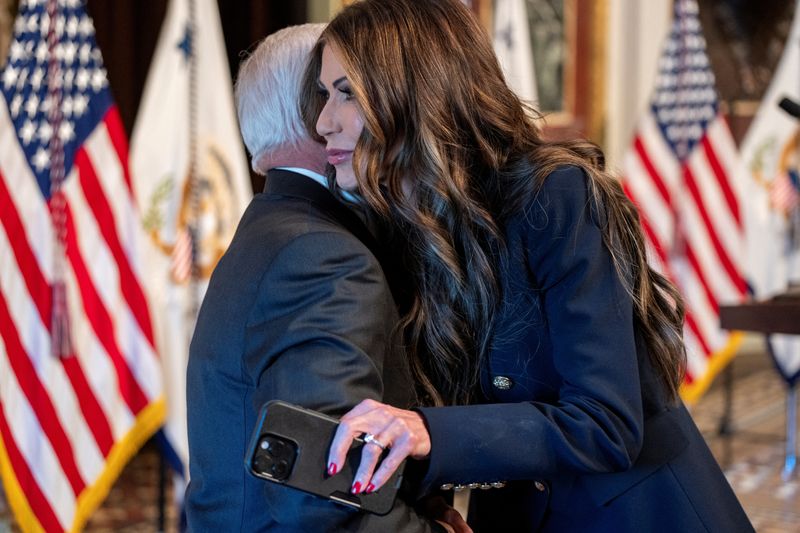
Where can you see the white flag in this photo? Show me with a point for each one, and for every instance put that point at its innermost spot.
(771, 153)
(186, 127)
(512, 44)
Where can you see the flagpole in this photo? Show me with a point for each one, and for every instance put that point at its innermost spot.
(193, 224)
(726, 427)
(194, 190)
(790, 462)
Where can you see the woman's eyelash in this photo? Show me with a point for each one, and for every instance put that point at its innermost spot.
(346, 91)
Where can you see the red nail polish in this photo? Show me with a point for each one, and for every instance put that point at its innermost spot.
(370, 488)
(356, 487)
(332, 469)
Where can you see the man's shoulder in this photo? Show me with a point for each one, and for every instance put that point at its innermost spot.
(274, 213)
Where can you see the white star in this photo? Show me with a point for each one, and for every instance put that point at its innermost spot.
(72, 26)
(70, 50)
(10, 76)
(32, 24)
(44, 25)
(27, 132)
(99, 79)
(69, 76)
(45, 131)
(66, 106)
(66, 131)
(16, 105)
(79, 104)
(32, 105)
(41, 160)
(19, 24)
(47, 104)
(17, 52)
(85, 53)
(37, 78)
(41, 52)
(82, 79)
(86, 26)
(22, 78)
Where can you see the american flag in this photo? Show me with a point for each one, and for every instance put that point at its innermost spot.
(681, 172)
(74, 405)
(784, 193)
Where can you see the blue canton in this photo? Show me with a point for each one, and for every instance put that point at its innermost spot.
(685, 99)
(84, 98)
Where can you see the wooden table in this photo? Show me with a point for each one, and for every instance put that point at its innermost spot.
(780, 314)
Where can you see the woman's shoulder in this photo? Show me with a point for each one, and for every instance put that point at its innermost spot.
(558, 197)
(566, 181)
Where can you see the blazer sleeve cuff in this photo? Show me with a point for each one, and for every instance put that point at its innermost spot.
(456, 442)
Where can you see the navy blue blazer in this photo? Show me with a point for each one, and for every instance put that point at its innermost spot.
(573, 418)
(298, 309)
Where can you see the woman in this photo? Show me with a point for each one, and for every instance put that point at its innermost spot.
(548, 351)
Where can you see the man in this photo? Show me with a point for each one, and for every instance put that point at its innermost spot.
(298, 309)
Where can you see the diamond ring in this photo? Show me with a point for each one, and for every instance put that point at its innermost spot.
(369, 438)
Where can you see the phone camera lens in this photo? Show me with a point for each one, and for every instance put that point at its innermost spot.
(274, 457)
(280, 469)
(263, 462)
(277, 448)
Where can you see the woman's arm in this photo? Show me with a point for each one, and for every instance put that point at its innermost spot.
(595, 425)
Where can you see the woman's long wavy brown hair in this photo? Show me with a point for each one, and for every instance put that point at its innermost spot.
(439, 116)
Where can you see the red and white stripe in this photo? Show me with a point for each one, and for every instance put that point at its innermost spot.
(691, 217)
(783, 195)
(180, 266)
(61, 418)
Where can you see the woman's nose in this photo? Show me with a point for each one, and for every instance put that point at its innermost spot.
(326, 122)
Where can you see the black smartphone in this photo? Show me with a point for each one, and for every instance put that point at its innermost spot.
(290, 444)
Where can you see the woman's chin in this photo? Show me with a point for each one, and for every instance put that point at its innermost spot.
(346, 181)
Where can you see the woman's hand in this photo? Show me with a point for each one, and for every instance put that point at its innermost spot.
(402, 432)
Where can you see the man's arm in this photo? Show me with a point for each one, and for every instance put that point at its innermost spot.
(318, 337)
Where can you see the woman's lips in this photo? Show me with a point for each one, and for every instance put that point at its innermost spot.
(337, 157)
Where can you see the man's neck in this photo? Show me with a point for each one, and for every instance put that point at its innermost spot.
(306, 154)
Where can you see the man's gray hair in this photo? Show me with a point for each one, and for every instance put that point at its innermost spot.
(267, 88)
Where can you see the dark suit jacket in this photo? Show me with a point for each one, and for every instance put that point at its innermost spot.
(298, 309)
(574, 418)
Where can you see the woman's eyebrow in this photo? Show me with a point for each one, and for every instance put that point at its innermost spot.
(339, 81)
